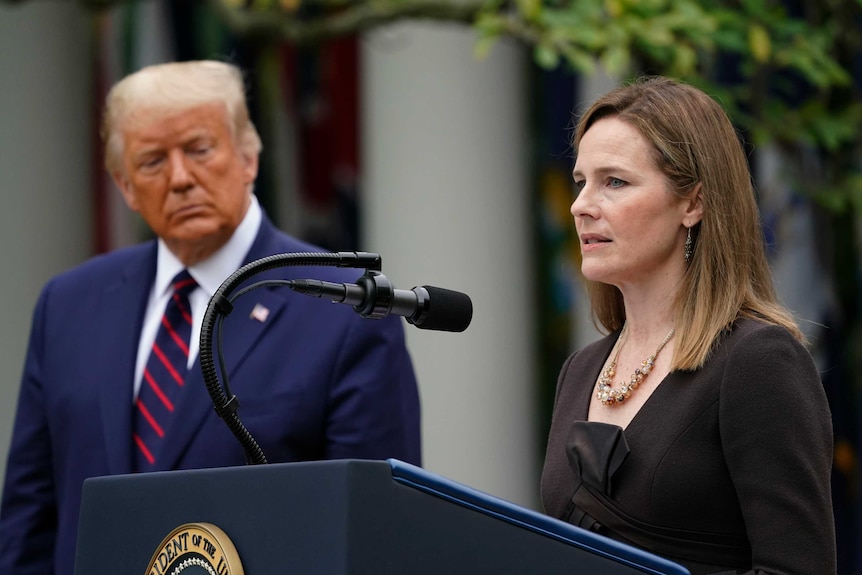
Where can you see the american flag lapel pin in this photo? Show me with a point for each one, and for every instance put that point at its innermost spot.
(260, 313)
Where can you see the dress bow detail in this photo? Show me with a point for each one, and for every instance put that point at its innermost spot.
(595, 451)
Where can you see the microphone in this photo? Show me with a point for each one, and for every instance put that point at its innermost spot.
(373, 296)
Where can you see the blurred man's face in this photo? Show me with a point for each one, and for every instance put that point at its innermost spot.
(187, 178)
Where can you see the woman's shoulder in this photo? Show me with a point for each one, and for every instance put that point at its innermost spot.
(758, 334)
(767, 354)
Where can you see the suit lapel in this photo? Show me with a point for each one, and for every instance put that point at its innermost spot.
(250, 319)
(195, 404)
(120, 317)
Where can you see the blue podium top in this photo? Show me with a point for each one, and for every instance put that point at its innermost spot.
(460, 494)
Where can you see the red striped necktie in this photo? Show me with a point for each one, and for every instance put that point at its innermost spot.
(164, 375)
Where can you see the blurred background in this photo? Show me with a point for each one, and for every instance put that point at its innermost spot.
(441, 140)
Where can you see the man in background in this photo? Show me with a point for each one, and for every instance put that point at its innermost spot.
(112, 381)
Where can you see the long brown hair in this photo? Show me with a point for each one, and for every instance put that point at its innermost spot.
(696, 146)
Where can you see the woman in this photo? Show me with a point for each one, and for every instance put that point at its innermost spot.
(698, 429)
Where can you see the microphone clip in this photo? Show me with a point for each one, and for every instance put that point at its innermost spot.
(379, 295)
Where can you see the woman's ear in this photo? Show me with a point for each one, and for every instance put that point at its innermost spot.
(693, 207)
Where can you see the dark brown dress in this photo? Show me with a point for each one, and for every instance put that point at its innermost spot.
(726, 468)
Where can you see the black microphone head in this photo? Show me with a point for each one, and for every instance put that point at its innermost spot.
(444, 310)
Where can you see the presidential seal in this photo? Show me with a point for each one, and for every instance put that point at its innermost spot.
(195, 549)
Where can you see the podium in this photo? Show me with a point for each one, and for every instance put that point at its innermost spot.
(340, 517)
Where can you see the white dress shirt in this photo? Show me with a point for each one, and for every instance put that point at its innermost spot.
(209, 274)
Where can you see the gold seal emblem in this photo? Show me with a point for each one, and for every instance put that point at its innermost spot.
(195, 549)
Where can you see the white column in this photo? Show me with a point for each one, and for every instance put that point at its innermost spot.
(45, 131)
(446, 202)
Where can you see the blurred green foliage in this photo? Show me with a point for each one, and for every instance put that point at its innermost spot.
(791, 83)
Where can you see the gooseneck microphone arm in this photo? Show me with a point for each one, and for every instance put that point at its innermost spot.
(220, 306)
(372, 296)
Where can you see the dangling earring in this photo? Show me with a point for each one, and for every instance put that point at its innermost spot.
(688, 248)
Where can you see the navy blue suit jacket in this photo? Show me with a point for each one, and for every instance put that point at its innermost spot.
(314, 380)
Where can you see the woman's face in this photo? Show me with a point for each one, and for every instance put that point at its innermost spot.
(629, 224)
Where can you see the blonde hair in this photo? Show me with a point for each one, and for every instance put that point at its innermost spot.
(169, 88)
(696, 146)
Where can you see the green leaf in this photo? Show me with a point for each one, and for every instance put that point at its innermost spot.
(530, 9)
(615, 59)
(759, 43)
(546, 57)
(483, 45)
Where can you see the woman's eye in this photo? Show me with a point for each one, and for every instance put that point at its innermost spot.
(579, 185)
(615, 182)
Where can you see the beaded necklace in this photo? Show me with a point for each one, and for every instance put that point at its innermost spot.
(605, 391)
